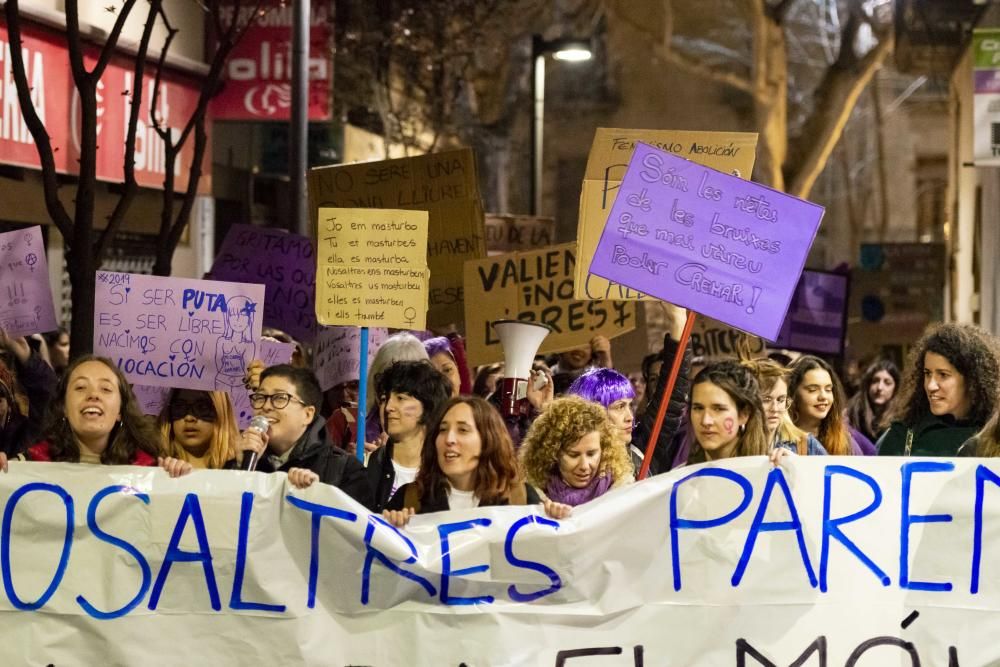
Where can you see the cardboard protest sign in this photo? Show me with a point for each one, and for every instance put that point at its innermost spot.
(537, 287)
(728, 152)
(714, 340)
(817, 318)
(25, 297)
(284, 263)
(518, 233)
(821, 561)
(337, 357)
(178, 332)
(372, 268)
(707, 241)
(443, 184)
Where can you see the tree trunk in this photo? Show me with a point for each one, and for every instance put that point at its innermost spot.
(82, 268)
(770, 84)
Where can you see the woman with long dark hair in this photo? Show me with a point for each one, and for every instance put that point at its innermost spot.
(817, 407)
(471, 464)
(867, 409)
(948, 395)
(726, 414)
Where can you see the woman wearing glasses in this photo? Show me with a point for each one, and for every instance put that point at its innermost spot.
(781, 432)
(296, 441)
(199, 427)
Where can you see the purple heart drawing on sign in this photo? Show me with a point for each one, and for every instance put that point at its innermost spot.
(172, 357)
(190, 313)
(128, 289)
(127, 330)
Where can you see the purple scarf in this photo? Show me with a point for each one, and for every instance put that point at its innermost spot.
(561, 492)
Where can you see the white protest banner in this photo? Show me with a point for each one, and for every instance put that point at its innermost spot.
(822, 561)
(337, 357)
(26, 300)
(178, 332)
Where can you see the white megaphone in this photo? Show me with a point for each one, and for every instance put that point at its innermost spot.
(520, 341)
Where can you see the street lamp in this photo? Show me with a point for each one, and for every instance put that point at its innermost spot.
(566, 50)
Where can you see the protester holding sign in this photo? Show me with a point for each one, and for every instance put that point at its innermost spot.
(867, 409)
(26, 390)
(96, 419)
(410, 395)
(781, 432)
(571, 454)
(199, 427)
(727, 418)
(817, 407)
(296, 441)
(572, 363)
(472, 464)
(949, 394)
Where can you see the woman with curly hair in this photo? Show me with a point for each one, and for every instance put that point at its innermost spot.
(571, 454)
(817, 407)
(199, 427)
(96, 419)
(867, 409)
(948, 395)
(472, 464)
(727, 418)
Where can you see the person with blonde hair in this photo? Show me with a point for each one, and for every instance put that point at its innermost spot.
(199, 427)
(571, 454)
(781, 432)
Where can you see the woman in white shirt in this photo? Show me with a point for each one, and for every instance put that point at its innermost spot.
(472, 464)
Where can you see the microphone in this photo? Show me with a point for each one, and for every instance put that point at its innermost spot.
(260, 424)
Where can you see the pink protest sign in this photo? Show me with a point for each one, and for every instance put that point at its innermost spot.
(693, 236)
(337, 358)
(274, 352)
(25, 297)
(284, 263)
(178, 332)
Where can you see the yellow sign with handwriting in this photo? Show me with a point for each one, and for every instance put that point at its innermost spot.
(372, 268)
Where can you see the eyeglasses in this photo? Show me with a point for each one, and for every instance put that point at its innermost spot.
(202, 410)
(279, 401)
(780, 402)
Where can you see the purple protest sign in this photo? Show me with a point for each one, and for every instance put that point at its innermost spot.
(817, 318)
(25, 298)
(178, 332)
(151, 399)
(716, 244)
(337, 356)
(284, 263)
(274, 352)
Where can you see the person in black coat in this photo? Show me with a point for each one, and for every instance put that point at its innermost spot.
(468, 461)
(296, 442)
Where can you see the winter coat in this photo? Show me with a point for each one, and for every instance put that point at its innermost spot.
(932, 436)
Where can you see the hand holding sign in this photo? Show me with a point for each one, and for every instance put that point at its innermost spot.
(708, 241)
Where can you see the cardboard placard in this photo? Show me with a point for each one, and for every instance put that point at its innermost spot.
(537, 287)
(518, 233)
(25, 296)
(178, 332)
(284, 263)
(707, 241)
(716, 340)
(729, 152)
(337, 357)
(372, 268)
(445, 185)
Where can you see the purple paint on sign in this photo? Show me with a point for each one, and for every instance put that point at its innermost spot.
(274, 352)
(285, 264)
(25, 297)
(816, 318)
(178, 332)
(716, 244)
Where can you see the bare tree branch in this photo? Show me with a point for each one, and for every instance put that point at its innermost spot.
(130, 185)
(111, 43)
(46, 156)
(780, 11)
(699, 68)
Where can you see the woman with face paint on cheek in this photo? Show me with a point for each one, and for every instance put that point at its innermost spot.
(948, 395)
(468, 461)
(727, 418)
